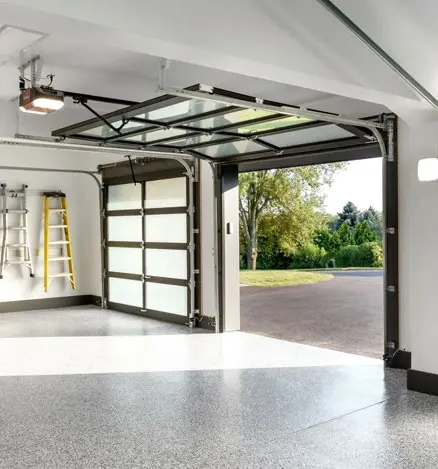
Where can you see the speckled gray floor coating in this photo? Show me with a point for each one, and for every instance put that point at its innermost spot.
(302, 417)
(332, 417)
(84, 321)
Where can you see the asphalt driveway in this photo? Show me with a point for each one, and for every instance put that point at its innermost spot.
(343, 314)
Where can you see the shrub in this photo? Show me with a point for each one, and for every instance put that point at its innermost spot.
(348, 256)
(331, 263)
(309, 256)
(269, 257)
(370, 255)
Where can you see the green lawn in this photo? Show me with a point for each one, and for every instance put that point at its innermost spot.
(281, 278)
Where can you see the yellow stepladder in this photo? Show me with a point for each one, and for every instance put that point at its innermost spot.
(67, 253)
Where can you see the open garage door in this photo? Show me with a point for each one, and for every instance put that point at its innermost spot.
(235, 132)
(148, 239)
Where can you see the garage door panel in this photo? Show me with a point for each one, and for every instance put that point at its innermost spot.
(166, 228)
(166, 193)
(166, 298)
(128, 229)
(125, 260)
(168, 263)
(124, 197)
(125, 292)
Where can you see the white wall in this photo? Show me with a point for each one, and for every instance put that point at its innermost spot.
(83, 204)
(418, 213)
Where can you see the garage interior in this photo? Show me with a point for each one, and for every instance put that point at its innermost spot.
(120, 341)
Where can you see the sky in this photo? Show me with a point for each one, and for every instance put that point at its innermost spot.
(360, 183)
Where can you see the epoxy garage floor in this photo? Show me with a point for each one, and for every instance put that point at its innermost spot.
(344, 314)
(95, 396)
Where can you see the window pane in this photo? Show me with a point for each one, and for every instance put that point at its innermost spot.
(124, 228)
(152, 136)
(166, 298)
(166, 193)
(124, 197)
(182, 110)
(170, 263)
(233, 148)
(125, 292)
(312, 135)
(242, 115)
(196, 140)
(272, 125)
(125, 260)
(166, 228)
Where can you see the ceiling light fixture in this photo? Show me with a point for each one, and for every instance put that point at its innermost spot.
(428, 170)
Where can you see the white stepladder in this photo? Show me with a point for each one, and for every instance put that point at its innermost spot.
(21, 237)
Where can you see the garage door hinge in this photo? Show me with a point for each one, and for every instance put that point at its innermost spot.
(390, 129)
(391, 289)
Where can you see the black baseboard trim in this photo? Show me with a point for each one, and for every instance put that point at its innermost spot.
(401, 360)
(96, 300)
(421, 381)
(45, 303)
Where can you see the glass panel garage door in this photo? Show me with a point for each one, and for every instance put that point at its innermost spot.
(147, 243)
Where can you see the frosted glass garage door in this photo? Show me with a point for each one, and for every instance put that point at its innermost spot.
(147, 257)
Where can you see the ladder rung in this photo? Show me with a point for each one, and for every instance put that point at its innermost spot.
(61, 275)
(58, 226)
(59, 259)
(20, 245)
(17, 228)
(19, 262)
(57, 210)
(8, 210)
(59, 242)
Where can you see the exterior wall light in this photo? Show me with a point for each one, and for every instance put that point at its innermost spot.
(428, 169)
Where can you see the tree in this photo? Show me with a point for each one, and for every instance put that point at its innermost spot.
(349, 213)
(282, 204)
(335, 244)
(364, 234)
(374, 219)
(322, 238)
(345, 235)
